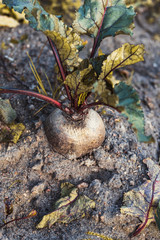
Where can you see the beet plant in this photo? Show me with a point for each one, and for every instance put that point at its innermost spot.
(74, 128)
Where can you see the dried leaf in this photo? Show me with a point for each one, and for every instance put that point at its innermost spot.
(16, 131)
(10, 132)
(7, 113)
(8, 206)
(129, 105)
(67, 42)
(103, 18)
(69, 207)
(142, 201)
(6, 21)
(99, 235)
(126, 55)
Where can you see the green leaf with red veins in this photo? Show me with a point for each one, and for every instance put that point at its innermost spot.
(102, 18)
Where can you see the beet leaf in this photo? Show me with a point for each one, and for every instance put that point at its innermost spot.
(142, 201)
(100, 19)
(69, 207)
(126, 55)
(129, 105)
(67, 42)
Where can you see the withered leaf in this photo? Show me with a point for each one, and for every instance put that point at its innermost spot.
(126, 55)
(142, 201)
(81, 81)
(105, 93)
(9, 131)
(69, 207)
(7, 113)
(101, 236)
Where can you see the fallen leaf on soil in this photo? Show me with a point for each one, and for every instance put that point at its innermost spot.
(69, 207)
(143, 201)
(7, 113)
(16, 131)
(99, 236)
(8, 206)
(10, 131)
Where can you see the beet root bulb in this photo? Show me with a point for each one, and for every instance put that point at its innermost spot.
(74, 139)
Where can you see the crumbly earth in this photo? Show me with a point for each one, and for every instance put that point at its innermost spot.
(31, 172)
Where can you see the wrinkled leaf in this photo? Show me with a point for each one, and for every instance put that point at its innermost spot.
(81, 81)
(69, 207)
(126, 55)
(129, 105)
(142, 201)
(7, 113)
(67, 42)
(16, 131)
(10, 132)
(103, 18)
(106, 94)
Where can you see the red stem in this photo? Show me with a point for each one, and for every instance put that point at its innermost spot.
(33, 94)
(16, 219)
(96, 39)
(95, 104)
(60, 66)
(76, 97)
(142, 226)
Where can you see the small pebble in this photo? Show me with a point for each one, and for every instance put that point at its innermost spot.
(83, 185)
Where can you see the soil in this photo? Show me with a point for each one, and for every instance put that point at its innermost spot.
(31, 172)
